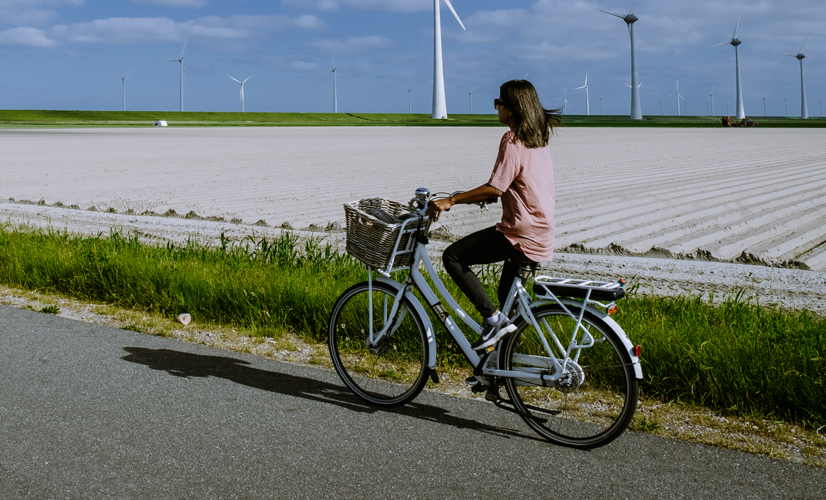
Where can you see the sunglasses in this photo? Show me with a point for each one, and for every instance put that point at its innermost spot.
(497, 103)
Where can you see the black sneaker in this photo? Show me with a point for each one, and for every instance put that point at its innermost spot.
(492, 332)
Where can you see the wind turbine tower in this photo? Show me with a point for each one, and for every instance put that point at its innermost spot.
(180, 60)
(587, 99)
(630, 19)
(601, 110)
(712, 101)
(470, 95)
(741, 111)
(679, 96)
(661, 105)
(242, 90)
(123, 82)
(804, 109)
(439, 103)
(335, 85)
(764, 105)
(564, 101)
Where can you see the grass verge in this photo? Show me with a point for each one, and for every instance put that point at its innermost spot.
(738, 358)
(54, 118)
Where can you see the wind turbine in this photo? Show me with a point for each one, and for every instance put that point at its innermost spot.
(409, 100)
(821, 108)
(726, 108)
(439, 102)
(587, 99)
(630, 19)
(335, 85)
(804, 109)
(679, 96)
(470, 94)
(712, 101)
(786, 104)
(600, 104)
(708, 110)
(741, 111)
(242, 90)
(661, 104)
(564, 101)
(123, 82)
(180, 60)
(764, 104)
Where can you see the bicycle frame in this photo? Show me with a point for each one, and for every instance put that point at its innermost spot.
(548, 370)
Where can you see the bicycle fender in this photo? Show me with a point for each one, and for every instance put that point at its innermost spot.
(431, 338)
(609, 321)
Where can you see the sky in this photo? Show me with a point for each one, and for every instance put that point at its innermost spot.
(62, 54)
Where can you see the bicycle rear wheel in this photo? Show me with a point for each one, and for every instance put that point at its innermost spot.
(596, 404)
(392, 373)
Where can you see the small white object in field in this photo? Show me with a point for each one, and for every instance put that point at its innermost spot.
(160, 123)
(184, 318)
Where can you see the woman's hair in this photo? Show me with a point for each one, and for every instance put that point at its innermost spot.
(533, 123)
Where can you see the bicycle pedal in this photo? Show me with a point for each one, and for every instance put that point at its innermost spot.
(493, 394)
(478, 388)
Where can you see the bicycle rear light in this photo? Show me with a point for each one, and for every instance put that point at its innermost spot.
(636, 350)
(612, 309)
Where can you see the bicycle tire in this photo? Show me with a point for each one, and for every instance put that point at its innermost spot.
(597, 405)
(396, 373)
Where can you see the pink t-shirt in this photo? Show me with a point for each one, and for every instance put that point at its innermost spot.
(526, 178)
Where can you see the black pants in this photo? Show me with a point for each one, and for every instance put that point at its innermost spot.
(482, 247)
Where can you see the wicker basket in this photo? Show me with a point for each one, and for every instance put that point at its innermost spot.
(371, 240)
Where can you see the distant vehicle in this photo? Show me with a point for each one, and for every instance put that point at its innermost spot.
(160, 123)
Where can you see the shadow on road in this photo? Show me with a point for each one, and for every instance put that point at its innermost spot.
(187, 365)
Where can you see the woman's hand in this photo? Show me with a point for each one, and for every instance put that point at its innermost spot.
(436, 207)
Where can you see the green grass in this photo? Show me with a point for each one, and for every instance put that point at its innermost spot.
(738, 357)
(50, 118)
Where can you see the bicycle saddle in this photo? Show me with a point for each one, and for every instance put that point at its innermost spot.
(523, 260)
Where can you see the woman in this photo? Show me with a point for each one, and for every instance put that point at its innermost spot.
(523, 177)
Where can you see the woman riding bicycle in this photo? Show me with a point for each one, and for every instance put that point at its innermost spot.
(524, 179)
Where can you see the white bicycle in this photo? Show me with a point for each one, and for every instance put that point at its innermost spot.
(568, 369)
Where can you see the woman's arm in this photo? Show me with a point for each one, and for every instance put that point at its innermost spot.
(484, 192)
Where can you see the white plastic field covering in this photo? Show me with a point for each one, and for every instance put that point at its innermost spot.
(722, 194)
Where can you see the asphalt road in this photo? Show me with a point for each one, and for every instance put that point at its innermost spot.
(94, 412)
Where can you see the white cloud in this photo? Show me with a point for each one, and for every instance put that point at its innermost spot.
(302, 66)
(31, 37)
(128, 30)
(356, 45)
(30, 12)
(174, 3)
(387, 5)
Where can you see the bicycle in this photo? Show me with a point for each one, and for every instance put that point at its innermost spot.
(568, 370)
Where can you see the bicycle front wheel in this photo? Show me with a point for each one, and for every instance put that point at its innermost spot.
(591, 406)
(391, 373)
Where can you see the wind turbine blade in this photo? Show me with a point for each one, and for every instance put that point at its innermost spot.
(670, 95)
(183, 48)
(720, 44)
(586, 79)
(621, 16)
(116, 76)
(172, 60)
(790, 55)
(245, 81)
(630, 87)
(234, 79)
(737, 25)
(580, 87)
(683, 98)
(804, 43)
(634, 7)
(449, 6)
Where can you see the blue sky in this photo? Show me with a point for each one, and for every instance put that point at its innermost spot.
(59, 54)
